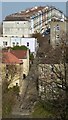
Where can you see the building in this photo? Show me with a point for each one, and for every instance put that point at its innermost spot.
(22, 55)
(30, 43)
(27, 22)
(48, 80)
(57, 32)
(51, 71)
(12, 69)
(1, 29)
(4, 42)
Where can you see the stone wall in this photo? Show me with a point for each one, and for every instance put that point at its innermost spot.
(49, 75)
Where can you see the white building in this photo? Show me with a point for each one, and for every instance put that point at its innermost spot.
(4, 42)
(25, 23)
(31, 43)
(16, 28)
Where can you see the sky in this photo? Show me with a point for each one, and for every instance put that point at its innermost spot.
(8, 8)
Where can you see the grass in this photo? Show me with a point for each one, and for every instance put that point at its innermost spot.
(42, 112)
(8, 101)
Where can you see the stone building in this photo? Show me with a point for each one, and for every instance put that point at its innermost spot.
(12, 69)
(51, 71)
(57, 32)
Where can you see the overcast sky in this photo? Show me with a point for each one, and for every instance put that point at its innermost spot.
(12, 7)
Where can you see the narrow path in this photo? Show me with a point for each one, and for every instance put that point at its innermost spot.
(24, 106)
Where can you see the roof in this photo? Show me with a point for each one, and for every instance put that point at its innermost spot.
(9, 58)
(20, 54)
(24, 15)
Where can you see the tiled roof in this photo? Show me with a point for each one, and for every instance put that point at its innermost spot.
(20, 54)
(24, 15)
(9, 58)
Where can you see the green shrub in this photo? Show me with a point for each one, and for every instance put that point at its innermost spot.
(19, 48)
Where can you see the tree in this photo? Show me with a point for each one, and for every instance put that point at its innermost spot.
(57, 90)
(9, 94)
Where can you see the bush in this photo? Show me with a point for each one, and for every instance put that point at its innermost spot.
(8, 99)
(19, 48)
(31, 56)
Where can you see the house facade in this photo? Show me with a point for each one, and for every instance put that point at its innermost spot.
(48, 78)
(4, 42)
(12, 69)
(58, 29)
(52, 73)
(30, 43)
(16, 28)
(22, 55)
(30, 21)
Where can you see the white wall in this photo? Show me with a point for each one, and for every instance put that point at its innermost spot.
(16, 28)
(4, 39)
(32, 43)
(15, 40)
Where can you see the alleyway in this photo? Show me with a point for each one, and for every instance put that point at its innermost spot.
(24, 106)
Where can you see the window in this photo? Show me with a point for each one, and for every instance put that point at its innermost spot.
(57, 27)
(16, 84)
(13, 43)
(52, 75)
(18, 28)
(52, 68)
(7, 29)
(17, 22)
(24, 76)
(27, 43)
(57, 36)
(17, 44)
(6, 75)
(5, 43)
